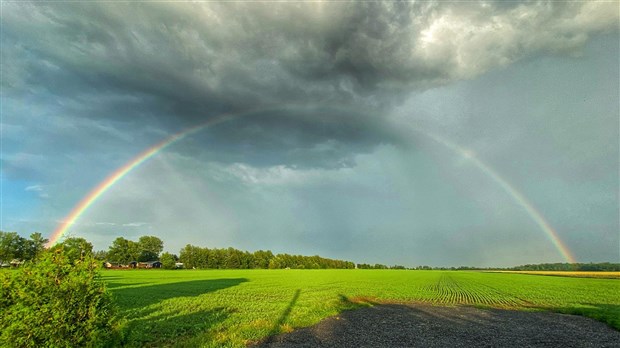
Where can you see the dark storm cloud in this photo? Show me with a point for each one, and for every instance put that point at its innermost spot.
(174, 65)
(222, 50)
(293, 135)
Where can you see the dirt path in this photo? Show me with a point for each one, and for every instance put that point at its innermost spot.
(431, 326)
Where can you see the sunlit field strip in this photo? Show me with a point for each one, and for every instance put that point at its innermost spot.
(579, 274)
(231, 308)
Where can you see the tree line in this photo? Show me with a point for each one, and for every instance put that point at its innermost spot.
(149, 248)
(122, 251)
(230, 258)
(584, 267)
(15, 247)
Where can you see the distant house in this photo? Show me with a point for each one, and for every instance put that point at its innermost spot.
(156, 264)
(149, 264)
(111, 265)
(178, 265)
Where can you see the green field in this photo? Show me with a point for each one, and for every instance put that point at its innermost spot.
(234, 307)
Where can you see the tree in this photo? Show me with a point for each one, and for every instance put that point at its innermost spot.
(100, 255)
(261, 259)
(123, 251)
(217, 258)
(274, 263)
(188, 256)
(54, 302)
(212, 258)
(232, 259)
(150, 248)
(12, 246)
(168, 261)
(75, 248)
(36, 245)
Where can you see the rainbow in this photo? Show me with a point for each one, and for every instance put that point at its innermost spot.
(135, 162)
(517, 196)
(118, 174)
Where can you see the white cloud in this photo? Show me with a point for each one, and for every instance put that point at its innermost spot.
(37, 188)
(105, 224)
(135, 224)
(469, 41)
(40, 189)
(280, 174)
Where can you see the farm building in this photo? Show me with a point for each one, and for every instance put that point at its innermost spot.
(132, 264)
(149, 264)
(109, 264)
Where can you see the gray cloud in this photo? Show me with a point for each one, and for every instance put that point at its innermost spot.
(235, 49)
(179, 64)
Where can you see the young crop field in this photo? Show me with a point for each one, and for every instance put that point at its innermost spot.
(214, 308)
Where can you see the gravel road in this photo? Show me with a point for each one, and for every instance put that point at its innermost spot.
(415, 325)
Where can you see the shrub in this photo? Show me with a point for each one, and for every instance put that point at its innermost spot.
(168, 261)
(54, 302)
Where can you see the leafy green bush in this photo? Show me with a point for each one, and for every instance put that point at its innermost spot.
(54, 302)
(168, 261)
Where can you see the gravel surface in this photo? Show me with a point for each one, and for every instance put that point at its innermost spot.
(415, 325)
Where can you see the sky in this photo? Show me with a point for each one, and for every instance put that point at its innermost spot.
(414, 133)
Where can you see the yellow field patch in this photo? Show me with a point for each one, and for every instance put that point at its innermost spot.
(578, 274)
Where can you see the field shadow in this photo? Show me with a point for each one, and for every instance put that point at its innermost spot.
(168, 330)
(355, 302)
(151, 322)
(113, 285)
(344, 304)
(130, 298)
(285, 314)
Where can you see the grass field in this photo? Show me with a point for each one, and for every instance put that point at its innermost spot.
(214, 308)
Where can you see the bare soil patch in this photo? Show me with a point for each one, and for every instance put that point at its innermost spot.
(416, 325)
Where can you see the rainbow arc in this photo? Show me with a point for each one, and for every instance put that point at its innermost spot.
(144, 156)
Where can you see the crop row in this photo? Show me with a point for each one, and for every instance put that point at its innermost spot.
(448, 290)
